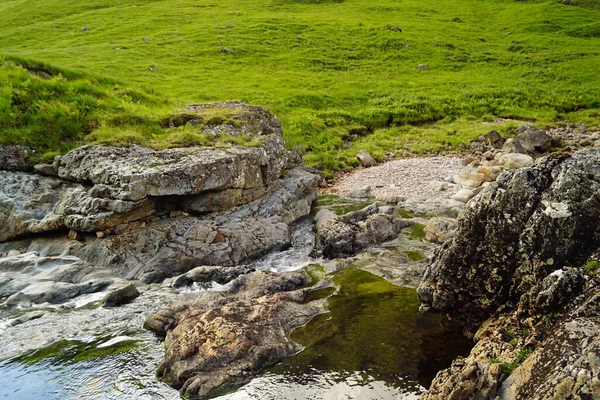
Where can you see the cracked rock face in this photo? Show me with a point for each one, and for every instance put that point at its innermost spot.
(519, 229)
(514, 276)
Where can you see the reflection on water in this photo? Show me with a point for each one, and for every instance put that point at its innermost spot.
(87, 368)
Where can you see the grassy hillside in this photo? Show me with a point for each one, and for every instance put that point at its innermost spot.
(340, 74)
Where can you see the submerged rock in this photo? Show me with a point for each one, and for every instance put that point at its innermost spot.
(513, 276)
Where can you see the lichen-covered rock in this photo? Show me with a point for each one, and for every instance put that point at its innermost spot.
(513, 276)
(536, 137)
(218, 344)
(527, 224)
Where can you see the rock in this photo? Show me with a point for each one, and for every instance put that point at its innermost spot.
(463, 195)
(146, 39)
(390, 198)
(363, 192)
(169, 247)
(227, 50)
(85, 28)
(516, 161)
(514, 276)
(74, 235)
(120, 296)
(493, 139)
(440, 229)
(205, 274)
(470, 178)
(393, 28)
(15, 158)
(365, 159)
(513, 145)
(343, 236)
(422, 67)
(519, 215)
(13, 253)
(537, 137)
(215, 344)
(45, 169)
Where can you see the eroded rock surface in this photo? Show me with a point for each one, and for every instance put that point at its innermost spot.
(345, 235)
(219, 341)
(514, 276)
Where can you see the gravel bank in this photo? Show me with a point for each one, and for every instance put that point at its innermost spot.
(410, 178)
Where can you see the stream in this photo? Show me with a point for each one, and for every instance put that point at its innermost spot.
(372, 344)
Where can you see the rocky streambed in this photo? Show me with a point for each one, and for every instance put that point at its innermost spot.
(218, 273)
(159, 273)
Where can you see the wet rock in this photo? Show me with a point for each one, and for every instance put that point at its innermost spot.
(343, 236)
(205, 274)
(120, 296)
(218, 345)
(365, 159)
(440, 229)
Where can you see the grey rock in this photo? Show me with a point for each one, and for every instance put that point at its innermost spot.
(365, 159)
(45, 169)
(363, 192)
(422, 67)
(463, 195)
(513, 145)
(537, 137)
(15, 158)
(120, 296)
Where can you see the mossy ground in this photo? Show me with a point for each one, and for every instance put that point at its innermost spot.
(376, 328)
(339, 74)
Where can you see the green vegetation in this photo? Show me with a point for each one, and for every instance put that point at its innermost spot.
(521, 355)
(339, 74)
(417, 232)
(415, 255)
(341, 205)
(592, 267)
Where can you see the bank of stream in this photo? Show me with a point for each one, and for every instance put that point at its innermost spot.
(372, 344)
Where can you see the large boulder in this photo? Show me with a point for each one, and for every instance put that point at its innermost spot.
(528, 223)
(536, 137)
(514, 276)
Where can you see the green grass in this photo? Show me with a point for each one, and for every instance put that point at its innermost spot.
(337, 77)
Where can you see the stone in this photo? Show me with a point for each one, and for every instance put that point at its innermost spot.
(470, 178)
(440, 229)
(345, 235)
(463, 195)
(513, 145)
(516, 161)
(45, 169)
(492, 139)
(422, 67)
(514, 277)
(365, 159)
(363, 192)
(120, 296)
(15, 158)
(13, 253)
(221, 343)
(537, 137)
(85, 28)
